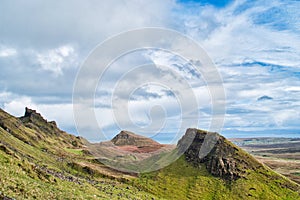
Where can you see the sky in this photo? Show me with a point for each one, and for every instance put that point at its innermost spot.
(255, 46)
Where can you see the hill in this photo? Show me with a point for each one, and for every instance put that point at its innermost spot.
(128, 138)
(128, 141)
(226, 172)
(224, 160)
(38, 160)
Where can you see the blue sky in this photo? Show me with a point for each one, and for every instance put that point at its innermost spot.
(254, 44)
(216, 3)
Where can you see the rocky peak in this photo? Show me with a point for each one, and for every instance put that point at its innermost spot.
(125, 138)
(220, 157)
(33, 115)
(33, 119)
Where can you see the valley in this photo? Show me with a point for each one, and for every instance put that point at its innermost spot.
(280, 154)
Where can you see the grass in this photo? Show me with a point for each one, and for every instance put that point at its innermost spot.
(181, 180)
(21, 179)
(74, 151)
(37, 169)
(35, 164)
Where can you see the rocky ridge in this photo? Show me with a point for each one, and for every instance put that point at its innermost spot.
(222, 159)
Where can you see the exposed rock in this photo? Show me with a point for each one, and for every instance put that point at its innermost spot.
(32, 115)
(220, 157)
(35, 120)
(44, 130)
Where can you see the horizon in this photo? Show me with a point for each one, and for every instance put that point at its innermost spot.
(165, 138)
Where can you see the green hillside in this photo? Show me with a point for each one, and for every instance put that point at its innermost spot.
(181, 180)
(37, 160)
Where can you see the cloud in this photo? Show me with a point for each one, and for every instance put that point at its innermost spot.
(55, 60)
(16, 106)
(256, 48)
(244, 31)
(255, 44)
(61, 113)
(50, 24)
(49, 43)
(7, 51)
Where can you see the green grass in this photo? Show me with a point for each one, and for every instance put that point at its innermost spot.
(35, 164)
(21, 179)
(181, 180)
(74, 151)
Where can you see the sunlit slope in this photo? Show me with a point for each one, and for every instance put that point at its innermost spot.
(38, 160)
(226, 172)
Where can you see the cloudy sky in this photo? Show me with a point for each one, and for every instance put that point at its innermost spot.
(254, 44)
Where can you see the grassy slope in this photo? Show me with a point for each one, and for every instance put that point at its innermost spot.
(180, 180)
(49, 166)
(27, 171)
(280, 154)
(22, 176)
(19, 179)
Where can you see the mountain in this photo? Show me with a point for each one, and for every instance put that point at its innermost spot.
(224, 160)
(130, 152)
(128, 138)
(226, 172)
(38, 160)
(129, 141)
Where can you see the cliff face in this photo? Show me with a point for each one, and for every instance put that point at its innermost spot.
(220, 157)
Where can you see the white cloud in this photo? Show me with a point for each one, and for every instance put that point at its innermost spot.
(7, 51)
(55, 60)
(255, 59)
(89, 23)
(17, 106)
(293, 88)
(254, 54)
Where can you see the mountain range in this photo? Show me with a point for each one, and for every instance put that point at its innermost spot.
(38, 160)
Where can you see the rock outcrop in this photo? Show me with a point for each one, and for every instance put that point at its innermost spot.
(35, 120)
(220, 157)
(33, 115)
(44, 130)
